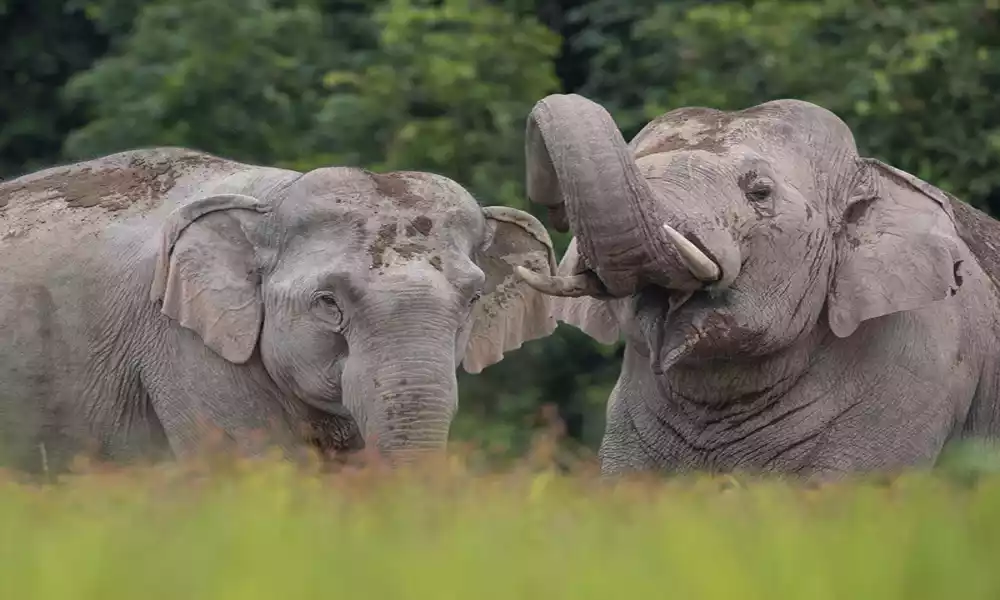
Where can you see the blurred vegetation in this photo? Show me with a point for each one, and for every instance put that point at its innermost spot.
(270, 530)
(445, 86)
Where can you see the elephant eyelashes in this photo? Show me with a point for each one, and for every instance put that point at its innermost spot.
(759, 193)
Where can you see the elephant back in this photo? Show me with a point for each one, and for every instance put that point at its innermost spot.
(70, 202)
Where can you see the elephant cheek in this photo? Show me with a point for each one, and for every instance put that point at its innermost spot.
(306, 366)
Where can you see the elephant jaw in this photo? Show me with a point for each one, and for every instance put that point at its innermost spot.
(674, 327)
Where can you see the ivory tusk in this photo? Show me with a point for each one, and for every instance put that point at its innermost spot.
(572, 286)
(700, 265)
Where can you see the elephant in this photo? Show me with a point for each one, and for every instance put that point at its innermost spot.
(788, 307)
(154, 298)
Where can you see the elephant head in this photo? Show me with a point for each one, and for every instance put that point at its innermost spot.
(730, 234)
(358, 290)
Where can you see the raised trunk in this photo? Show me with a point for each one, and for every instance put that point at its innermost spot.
(579, 163)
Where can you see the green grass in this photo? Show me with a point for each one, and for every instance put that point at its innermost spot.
(269, 530)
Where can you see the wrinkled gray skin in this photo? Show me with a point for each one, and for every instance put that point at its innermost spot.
(843, 317)
(150, 298)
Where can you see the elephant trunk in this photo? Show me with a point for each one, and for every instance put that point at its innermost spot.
(580, 167)
(401, 386)
(413, 405)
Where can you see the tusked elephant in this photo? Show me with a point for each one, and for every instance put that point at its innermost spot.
(153, 298)
(787, 306)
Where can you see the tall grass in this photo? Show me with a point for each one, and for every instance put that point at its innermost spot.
(268, 529)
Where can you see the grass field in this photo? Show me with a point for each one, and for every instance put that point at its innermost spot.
(270, 530)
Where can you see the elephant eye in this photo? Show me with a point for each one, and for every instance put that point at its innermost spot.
(475, 297)
(328, 302)
(759, 190)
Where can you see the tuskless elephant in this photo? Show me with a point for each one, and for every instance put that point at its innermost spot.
(154, 298)
(787, 306)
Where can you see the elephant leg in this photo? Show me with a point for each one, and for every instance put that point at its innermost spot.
(220, 421)
(205, 402)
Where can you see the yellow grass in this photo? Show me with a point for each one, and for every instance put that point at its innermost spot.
(267, 529)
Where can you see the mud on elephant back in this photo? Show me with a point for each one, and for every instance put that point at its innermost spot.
(787, 305)
(151, 297)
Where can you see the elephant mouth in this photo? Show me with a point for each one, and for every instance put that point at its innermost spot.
(680, 325)
(332, 407)
(699, 265)
(671, 342)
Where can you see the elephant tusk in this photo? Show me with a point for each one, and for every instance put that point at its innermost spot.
(700, 265)
(573, 286)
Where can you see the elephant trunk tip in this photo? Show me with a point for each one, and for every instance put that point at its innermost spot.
(412, 456)
(566, 286)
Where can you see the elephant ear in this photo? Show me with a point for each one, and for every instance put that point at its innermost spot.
(510, 312)
(596, 317)
(898, 248)
(206, 274)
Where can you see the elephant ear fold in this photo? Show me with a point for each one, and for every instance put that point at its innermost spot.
(897, 248)
(595, 317)
(510, 312)
(206, 274)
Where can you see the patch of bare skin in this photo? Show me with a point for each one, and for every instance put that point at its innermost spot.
(420, 225)
(406, 247)
(686, 128)
(402, 190)
(114, 189)
(398, 188)
(140, 180)
(384, 239)
(695, 128)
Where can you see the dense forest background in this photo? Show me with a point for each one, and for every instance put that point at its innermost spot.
(445, 86)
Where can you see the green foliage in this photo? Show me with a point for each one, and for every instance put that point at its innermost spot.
(240, 78)
(499, 408)
(915, 80)
(447, 91)
(268, 531)
(42, 44)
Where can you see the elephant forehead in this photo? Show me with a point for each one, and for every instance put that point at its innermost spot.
(713, 133)
(765, 127)
(412, 236)
(332, 187)
(426, 204)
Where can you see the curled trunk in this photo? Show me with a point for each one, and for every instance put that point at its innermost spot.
(579, 166)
